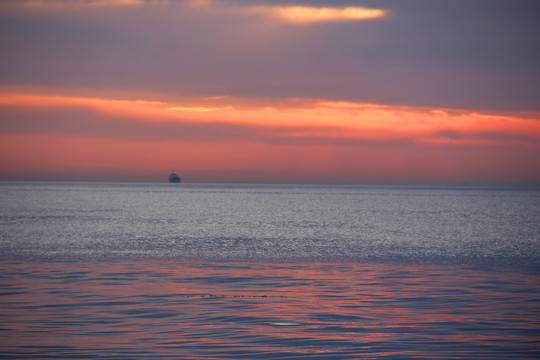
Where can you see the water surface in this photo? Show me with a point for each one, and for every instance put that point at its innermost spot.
(152, 271)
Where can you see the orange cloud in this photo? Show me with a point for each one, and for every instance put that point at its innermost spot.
(311, 119)
(248, 139)
(307, 15)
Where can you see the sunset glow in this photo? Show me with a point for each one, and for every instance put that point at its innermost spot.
(312, 139)
(309, 118)
(234, 90)
(304, 14)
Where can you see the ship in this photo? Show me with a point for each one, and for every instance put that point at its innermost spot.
(173, 178)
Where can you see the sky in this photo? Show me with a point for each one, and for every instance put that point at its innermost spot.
(375, 91)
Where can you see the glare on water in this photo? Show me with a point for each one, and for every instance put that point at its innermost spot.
(205, 271)
(197, 310)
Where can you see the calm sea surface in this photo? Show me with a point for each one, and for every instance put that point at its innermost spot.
(213, 271)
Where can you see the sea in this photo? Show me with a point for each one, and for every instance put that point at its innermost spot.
(268, 271)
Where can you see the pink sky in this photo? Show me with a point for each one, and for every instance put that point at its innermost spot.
(261, 91)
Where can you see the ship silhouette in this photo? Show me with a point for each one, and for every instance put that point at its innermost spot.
(173, 178)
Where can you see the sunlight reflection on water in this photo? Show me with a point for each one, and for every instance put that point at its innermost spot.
(200, 310)
(209, 271)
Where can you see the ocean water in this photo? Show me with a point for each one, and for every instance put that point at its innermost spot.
(244, 271)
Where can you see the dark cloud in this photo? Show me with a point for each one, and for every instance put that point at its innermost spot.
(457, 53)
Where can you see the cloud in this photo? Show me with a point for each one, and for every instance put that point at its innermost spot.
(191, 108)
(66, 4)
(417, 55)
(248, 139)
(308, 15)
(294, 14)
(294, 122)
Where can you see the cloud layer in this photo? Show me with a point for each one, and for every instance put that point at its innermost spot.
(374, 90)
(452, 54)
(291, 140)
